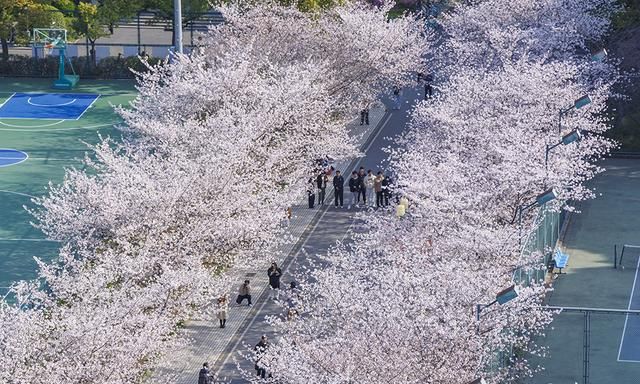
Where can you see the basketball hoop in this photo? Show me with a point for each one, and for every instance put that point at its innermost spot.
(47, 49)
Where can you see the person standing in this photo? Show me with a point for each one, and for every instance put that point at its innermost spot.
(244, 293)
(321, 184)
(205, 377)
(364, 116)
(377, 185)
(274, 274)
(261, 349)
(428, 88)
(354, 188)
(362, 189)
(386, 189)
(222, 310)
(369, 182)
(311, 191)
(338, 188)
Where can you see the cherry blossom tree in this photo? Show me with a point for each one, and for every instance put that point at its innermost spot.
(214, 149)
(398, 305)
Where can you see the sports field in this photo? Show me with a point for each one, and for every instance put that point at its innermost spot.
(42, 132)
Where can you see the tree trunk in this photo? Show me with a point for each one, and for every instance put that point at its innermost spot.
(92, 52)
(5, 48)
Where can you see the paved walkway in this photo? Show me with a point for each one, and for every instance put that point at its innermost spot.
(591, 281)
(210, 341)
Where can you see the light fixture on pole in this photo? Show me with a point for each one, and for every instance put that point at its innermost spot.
(579, 103)
(543, 198)
(177, 25)
(600, 55)
(573, 136)
(502, 297)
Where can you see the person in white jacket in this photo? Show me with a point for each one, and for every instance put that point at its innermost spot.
(369, 181)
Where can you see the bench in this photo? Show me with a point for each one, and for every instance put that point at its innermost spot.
(559, 260)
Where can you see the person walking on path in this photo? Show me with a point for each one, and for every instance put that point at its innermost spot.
(369, 182)
(274, 274)
(321, 183)
(261, 349)
(338, 188)
(377, 186)
(311, 192)
(244, 293)
(397, 98)
(354, 188)
(223, 308)
(364, 116)
(293, 301)
(205, 376)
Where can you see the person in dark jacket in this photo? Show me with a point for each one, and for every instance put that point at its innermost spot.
(338, 188)
(362, 188)
(364, 116)
(321, 183)
(205, 376)
(261, 349)
(354, 188)
(311, 192)
(386, 190)
(274, 274)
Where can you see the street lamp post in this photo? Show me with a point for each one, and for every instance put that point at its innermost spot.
(575, 135)
(502, 297)
(579, 103)
(541, 199)
(177, 25)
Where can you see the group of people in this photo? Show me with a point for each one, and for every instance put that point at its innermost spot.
(363, 186)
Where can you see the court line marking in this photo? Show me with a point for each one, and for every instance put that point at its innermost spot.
(26, 156)
(624, 329)
(50, 105)
(9, 98)
(37, 128)
(32, 126)
(19, 193)
(90, 105)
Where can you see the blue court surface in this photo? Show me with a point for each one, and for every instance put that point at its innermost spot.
(11, 157)
(630, 343)
(53, 106)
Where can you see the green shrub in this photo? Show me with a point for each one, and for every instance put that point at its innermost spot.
(107, 68)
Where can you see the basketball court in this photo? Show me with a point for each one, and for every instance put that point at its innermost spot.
(42, 132)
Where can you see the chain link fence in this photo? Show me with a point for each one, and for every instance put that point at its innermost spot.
(147, 34)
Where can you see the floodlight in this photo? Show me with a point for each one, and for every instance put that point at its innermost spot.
(600, 55)
(581, 102)
(572, 136)
(507, 295)
(546, 196)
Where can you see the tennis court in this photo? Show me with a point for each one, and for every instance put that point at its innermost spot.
(42, 132)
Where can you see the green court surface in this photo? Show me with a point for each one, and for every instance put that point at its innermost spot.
(52, 146)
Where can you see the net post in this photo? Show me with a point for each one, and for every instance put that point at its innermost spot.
(615, 256)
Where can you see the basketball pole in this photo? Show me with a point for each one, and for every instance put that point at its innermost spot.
(177, 25)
